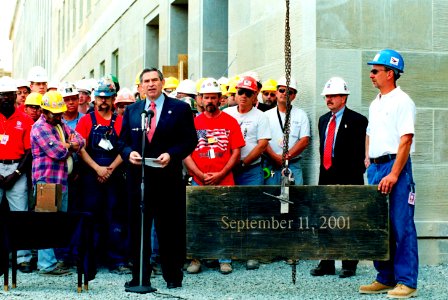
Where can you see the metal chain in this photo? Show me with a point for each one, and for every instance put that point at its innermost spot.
(287, 127)
(288, 80)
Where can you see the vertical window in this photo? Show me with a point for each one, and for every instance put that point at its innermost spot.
(115, 65)
(92, 73)
(102, 68)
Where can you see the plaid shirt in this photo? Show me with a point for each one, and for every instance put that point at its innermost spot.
(49, 153)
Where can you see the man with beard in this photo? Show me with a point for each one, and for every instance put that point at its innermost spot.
(218, 150)
(171, 137)
(102, 179)
(15, 157)
(52, 143)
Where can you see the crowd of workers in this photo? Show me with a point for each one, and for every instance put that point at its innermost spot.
(82, 136)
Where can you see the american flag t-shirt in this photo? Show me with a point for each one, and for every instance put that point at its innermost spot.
(213, 138)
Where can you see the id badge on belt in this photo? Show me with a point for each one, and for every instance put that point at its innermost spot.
(105, 144)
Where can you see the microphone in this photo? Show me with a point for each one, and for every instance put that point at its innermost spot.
(150, 115)
(144, 115)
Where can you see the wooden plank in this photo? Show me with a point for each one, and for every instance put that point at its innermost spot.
(182, 64)
(325, 222)
(170, 71)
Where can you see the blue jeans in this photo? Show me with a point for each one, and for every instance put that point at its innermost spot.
(276, 173)
(251, 175)
(403, 264)
(46, 259)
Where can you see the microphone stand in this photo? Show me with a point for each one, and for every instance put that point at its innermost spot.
(142, 289)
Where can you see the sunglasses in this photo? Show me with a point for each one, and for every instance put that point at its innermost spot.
(291, 91)
(248, 93)
(33, 107)
(376, 71)
(121, 106)
(266, 94)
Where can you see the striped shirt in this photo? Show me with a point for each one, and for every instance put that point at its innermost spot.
(49, 152)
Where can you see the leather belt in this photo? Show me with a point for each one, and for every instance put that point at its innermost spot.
(383, 159)
(9, 161)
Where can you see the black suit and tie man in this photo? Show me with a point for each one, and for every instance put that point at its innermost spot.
(342, 133)
(171, 138)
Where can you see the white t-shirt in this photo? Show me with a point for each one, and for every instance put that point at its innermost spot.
(390, 117)
(300, 127)
(254, 126)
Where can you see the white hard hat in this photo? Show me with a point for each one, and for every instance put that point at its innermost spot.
(53, 84)
(187, 86)
(223, 80)
(210, 85)
(67, 89)
(37, 74)
(22, 83)
(335, 86)
(84, 85)
(292, 82)
(7, 84)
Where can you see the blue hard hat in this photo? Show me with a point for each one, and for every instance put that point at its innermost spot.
(106, 87)
(389, 58)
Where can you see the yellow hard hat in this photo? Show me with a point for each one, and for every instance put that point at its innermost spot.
(232, 84)
(224, 90)
(269, 85)
(199, 83)
(53, 102)
(34, 99)
(171, 83)
(137, 78)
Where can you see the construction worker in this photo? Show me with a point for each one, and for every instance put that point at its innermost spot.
(186, 88)
(268, 95)
(216, 154)
(101, 179)
(52, 86)
(232, 91)
(15, 157)
(37, 76)
(70, 95)
(170, 85)
(52, 143)
(84, 90)
(23, 90)
(389, 143)
(299, 136)
(140, 95)
(124, 98)
(32, 106)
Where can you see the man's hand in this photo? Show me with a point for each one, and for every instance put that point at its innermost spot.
(164, 159)
(10, 180)
(135, 158)
(387, 183)
(213, 178)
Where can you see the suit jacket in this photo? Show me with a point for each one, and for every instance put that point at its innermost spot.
(349, 149)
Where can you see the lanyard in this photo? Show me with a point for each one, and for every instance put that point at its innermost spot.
(280, 121)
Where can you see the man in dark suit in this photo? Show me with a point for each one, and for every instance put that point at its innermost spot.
(342, 133)
(171, 138)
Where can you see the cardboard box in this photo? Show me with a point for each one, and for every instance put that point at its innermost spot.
(48, 197)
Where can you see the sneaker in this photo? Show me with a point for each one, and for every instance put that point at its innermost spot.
(374, 288)
(64, 265)
(121, 270)
(56, 272)
(194, 267)
(225, 268)
(252, 264)
(402, 292)
(25, 267)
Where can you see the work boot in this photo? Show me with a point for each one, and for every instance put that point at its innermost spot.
(402, 292)
(194, 267)
(252, 264)
(374, 288)
(225, 268)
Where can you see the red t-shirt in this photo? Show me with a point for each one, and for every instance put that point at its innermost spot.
(15, 135)
(85, 124)
(216, 138)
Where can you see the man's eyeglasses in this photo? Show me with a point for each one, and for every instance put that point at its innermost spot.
(266, 94)
(375, 71)
(291, 91)
(248, 93)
